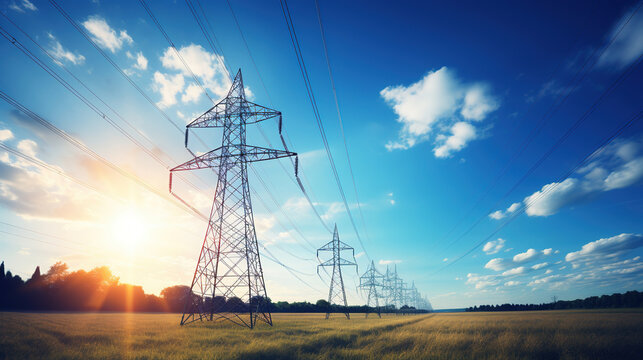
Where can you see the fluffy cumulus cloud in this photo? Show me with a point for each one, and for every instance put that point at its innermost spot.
(460, 134)
(482, 281)
(596, 264)
(168, 86)
(6, 134)
(439, 104)
(104, 35)
(493, 246)
(499, 214)
(32, 192)
(628, 46)
(61, 54)
(500, 264)
(141, 60)
(606, 247)
(616, 166)
(207, 67)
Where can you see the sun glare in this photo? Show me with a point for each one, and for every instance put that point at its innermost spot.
(129, 229)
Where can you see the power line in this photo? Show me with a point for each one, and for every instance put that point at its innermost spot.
(311, 97)
(555, 184)
(113, 63)
(176, 51)
(78, 95)
(573, 84)
(339, 117)
(296, 181)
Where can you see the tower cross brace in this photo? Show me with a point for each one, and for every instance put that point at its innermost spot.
(337, 293)
(228, 281)
(371, 280)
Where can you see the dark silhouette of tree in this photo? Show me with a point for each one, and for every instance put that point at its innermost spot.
(60, 289)
(631, 299)
(175, 297)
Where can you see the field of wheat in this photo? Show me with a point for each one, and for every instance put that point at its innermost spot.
(608, 334)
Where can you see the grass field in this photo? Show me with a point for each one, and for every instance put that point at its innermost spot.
(608, 334)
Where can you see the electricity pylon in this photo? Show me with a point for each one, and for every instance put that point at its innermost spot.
(371, 280)
(395, 286)
(228, 280)
(337, 294)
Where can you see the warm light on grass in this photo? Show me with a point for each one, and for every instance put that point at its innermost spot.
(606, 334)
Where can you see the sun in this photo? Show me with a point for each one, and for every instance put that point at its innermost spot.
(129, 229)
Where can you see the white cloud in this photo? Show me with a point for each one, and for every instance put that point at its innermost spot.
(104, 35)
(493, 246)
(168, 86)
(553, 197)
(28, 147)
(386, 262)
(31, 192)
(478, 103)
(628, 46)
(205, 65)
(607, 247)
(29, 5)
(6, 134)
(617, 166)
(445, 259)
(60, 53)
(439, 101)
(539, 266)
(499, 214)
(512, 283)
(461, 133)
(481, 281)
(543, 280)
(22, 6)
(528, 255)
(515, 271)
(498, 264)
(191, 94)
(141, 61)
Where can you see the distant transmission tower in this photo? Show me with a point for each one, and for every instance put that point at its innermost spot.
(228, 281)
(337, 294)
(370, 281)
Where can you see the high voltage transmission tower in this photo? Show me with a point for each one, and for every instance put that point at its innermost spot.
(370, 281)
(337, 294)
(228, 281)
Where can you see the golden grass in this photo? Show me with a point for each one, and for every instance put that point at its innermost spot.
(511, 335)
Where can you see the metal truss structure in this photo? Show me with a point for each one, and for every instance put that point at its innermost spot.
(337, 294)
(228, 281)
(400, 297)
(370, 282)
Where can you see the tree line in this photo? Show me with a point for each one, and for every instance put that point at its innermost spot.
(631, 299)
(99, 290)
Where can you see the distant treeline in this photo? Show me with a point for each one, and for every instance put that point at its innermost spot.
(99, 290)
(631, 299)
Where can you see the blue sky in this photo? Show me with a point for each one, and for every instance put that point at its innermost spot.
(436, 100)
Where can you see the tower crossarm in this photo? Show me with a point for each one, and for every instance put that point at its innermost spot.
(237, 154)
(222, 115)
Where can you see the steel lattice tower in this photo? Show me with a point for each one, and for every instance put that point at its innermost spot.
(371, 280)
(337, 294)
(228, 280)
